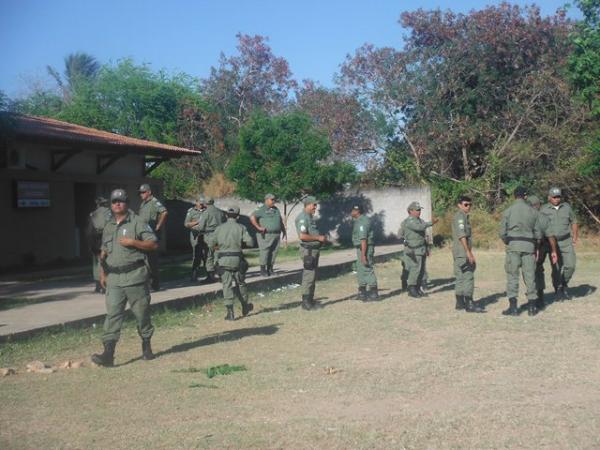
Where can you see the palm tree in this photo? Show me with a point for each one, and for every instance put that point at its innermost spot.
(78, 67)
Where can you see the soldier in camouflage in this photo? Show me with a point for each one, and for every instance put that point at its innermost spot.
(154, 213)
(363, 241)
(192, 218)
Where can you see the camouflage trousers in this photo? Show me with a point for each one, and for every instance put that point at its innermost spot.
(138, 297)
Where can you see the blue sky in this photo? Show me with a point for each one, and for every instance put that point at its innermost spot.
(188, 36)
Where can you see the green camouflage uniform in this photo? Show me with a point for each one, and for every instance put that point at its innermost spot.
(560, 219)
(210, 219)
(520, 230)
(362, 231)
(229, 237)
(196, 239)
(149, 212)
(127, 276)
(268, 242)
(98, 220)
(305, 223)
(415, 248)
(463, 271)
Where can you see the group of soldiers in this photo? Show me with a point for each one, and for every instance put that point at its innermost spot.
(125, 268)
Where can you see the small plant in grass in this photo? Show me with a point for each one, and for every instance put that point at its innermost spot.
(201, 385)
(224, 369)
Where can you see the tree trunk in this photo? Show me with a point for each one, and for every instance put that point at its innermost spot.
(465, 161)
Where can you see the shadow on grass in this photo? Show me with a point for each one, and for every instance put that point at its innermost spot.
(226, 336)
(490, 299)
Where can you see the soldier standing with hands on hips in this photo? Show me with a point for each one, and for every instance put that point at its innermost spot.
(269, 224)
(154, 214)
(126, 241)
(310, 244)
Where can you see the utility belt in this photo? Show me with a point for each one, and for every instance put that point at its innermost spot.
(519, 238)
(308, 247)
(123, 269)
(564, 237)
(414, 247)
(240, 254)
(272, 232)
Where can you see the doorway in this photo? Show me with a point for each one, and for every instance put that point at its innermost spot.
(85, 203)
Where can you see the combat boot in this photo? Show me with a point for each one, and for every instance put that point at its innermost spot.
(306, 302)
(404, 284)
(471, 306)
(563, 292)
(413, 292)
(107, 358)
(531, 309)
(373, 295)
(421, 292)
(147, 350)
(362, 293)
(540, 304)
(210, 277)
(263, 271)
(313, 303)
(246, 308)
(269, 270)
(512, 309)
(460, 302)
(230, 315)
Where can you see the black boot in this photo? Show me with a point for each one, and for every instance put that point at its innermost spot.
(107, 358)
(269, 270)
(471, 306)
(564, 293)
(155, 285)
(246, 308)
(147, 350)
(373, 295)
(421, 291)
(460, 302)
(512, 309)
(306, 302)
(413, 292)
(531, 309)
(263, 271)
(404, 285)
(210, 277)
(362, 293)
(540, 304)
(230, 315)
(313, 303)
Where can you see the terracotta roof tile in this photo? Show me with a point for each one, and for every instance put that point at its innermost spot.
(56, 131)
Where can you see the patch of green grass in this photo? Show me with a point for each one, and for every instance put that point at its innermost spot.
(223, 369)
(202, 385)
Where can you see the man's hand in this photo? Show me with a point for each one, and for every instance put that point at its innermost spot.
(127, 242)
(102, 280)
(575, 241)
(471, 258)
(322, 239)
(554, 257)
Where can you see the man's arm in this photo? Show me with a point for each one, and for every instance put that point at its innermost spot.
(161, 219)
(468, 251)
(575, 232)
(363, 252)
(313, 237)
(255, 224)
(147, 246)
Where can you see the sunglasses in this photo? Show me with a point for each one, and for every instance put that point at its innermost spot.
(118, 201)
(556, 196)
(467, 204)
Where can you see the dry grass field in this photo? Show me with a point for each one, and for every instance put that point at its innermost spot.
(399, 373)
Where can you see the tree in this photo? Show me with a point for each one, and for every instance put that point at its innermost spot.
(79, 67)
(453, 91)
(286, 155)
(353, 131)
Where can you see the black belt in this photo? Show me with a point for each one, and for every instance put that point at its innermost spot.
(230, 254)
(415, 247)
(309, 247)
(272, 232)
(524, 239)
(563, 237)
(124, 269)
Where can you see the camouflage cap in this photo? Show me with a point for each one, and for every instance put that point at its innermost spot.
(118, 194)
(414, 206)
(270, 197)
(145, 188)
(309, 200)
(357, 208)
(233, 210)
(201, 199)
(554, 192)
(533, 200)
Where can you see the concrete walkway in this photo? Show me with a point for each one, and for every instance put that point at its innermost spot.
(72, 302)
